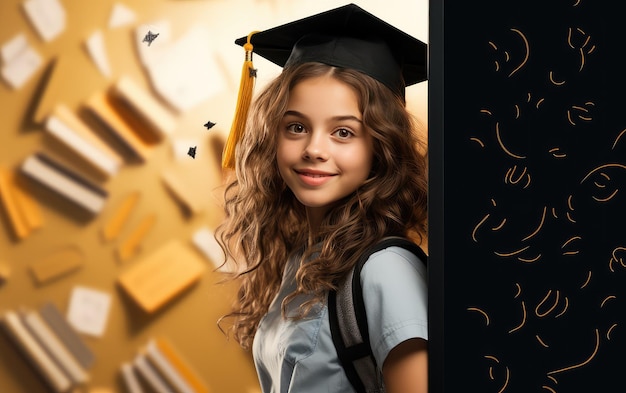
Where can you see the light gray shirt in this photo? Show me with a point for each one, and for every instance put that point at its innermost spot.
(299, 356)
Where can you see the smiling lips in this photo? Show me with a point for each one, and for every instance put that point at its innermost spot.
(313, 177)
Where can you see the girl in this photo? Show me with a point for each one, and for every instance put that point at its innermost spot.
(327, 165)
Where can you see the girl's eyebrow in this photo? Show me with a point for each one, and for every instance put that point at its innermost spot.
(334, 118)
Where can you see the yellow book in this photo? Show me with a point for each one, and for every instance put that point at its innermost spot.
(100, 106)
(7, 196)
(114, 226)
(57, 264)
(162, 275)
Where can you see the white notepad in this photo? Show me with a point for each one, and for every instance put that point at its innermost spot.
(88, 311)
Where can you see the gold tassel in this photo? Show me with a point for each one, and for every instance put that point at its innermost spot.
(244, 98)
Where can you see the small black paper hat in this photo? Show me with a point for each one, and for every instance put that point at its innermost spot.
(346, 37)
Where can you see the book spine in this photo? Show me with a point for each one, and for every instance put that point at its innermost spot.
(181, 365)
(66, 333)
(150, 375)
(130, 378)
(65, 182)
(87, 151)
(145, 106)
(35, 353)
(54, 347)
(163, 365)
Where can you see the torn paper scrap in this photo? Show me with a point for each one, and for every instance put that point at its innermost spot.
(13, 47)
(89, 310)
(47, 16)
(121, 16)
(186, 76)
(97, 52)
(21, 68)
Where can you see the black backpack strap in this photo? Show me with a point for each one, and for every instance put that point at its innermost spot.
(348, 321)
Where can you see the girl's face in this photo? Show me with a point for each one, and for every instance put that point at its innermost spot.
(324, 151)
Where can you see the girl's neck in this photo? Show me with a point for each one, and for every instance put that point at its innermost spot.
(314, 217)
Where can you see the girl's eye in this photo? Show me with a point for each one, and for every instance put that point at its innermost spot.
(343, 133)
(296, 128)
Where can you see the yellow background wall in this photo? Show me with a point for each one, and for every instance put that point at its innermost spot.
(189, 322)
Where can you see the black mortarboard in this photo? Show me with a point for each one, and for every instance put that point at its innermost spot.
(347, 37)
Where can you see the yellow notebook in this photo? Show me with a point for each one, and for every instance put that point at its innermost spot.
(162, 275)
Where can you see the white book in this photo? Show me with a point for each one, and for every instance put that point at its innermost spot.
(150, 374)
(166, 369)
(204, 240)
(130, 378)
(54, 347)
(145, 106)
(64, 126)
(65, 182)
(48, 369)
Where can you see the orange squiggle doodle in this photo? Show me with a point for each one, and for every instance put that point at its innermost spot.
(554, 213)
(507, 57)
(582, 58)
(587, 281)
(553, 81)
(492, 358)
(568, 242)
(564, 308)
(480, 311)
(577, 2)
(570, 218)
(569, 38)
(541, 341)
(611, 165)
(554, 153)
(506, 382)
(569, 202)
(608, 333)
(606, 299)
(556, 300)
(519, 290)
(491, 372)
(615, 258)
(573, 238)
(549, 388)
(595, 183)
(605, 199)
(478, 226)
(523, 319)
(497, 228)
(527, 51)
(604, 175)
(553, 379)
(539, 103)
(493, 202)
(512, 171)
(583, 363)
(485, 111)
(569, 118)
(543, 218)
(502, 144)
(478, 141)
(510, 254)
(516, 111)
(528, 97)
(617, 139)
(529, 260)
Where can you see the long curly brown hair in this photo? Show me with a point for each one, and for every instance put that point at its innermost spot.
(264, 222)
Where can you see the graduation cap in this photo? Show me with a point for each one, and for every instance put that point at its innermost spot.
(346, 37)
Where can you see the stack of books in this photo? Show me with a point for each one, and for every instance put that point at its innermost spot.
(159, 367)
(50, 345)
